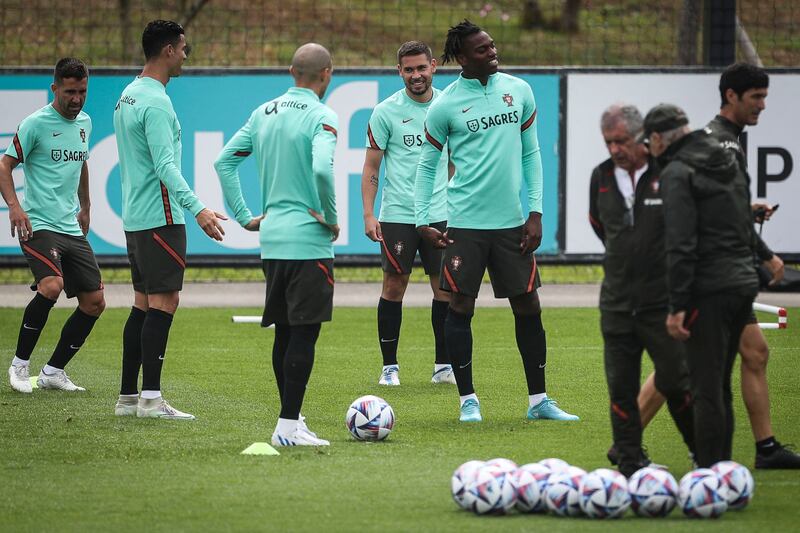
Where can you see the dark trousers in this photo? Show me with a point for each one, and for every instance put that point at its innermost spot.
(626, 336)
(716, 323)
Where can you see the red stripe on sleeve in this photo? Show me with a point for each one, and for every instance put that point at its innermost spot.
(330, 129)
(527, 123)
(18, 148)
(433, 141)
(165, 201)
(372, 142)
(241, 153)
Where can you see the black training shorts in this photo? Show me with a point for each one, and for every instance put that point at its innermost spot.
(472, 251)
(400, 245)
(158, 258)
(299, 291)
(70, 257)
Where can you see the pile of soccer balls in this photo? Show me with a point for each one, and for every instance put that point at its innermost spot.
(499, 486)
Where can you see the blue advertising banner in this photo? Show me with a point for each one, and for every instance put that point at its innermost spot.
(211, 108)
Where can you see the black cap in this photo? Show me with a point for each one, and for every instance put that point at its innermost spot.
(663, 117)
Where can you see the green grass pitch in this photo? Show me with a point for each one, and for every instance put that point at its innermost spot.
(69, 465)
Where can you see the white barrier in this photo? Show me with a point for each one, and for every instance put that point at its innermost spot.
(783, 319)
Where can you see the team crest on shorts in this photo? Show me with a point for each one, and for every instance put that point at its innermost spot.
(398, 247)
(54, 253)
(83, 135)
(408, 140)
(508, 99)
(455, 262)
(472, 125)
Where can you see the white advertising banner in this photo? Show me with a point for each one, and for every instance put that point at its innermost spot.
(772, 146)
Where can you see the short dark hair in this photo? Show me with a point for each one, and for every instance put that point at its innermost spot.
(69, 67)
(455, 39)
(414, 48)
(742, 77)
(158, 34)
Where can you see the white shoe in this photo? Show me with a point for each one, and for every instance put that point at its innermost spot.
(390, 376)
(159, 408)
(19, 378)
(126, 405)
(58, 381)
(444, 375)
(298, 438)
(301, 425)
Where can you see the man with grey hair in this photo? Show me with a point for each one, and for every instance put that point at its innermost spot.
(710, 275)
(626, 213)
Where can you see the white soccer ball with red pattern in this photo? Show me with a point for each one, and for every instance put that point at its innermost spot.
(462, 478)
(604, 494)
(702, 494)
(492, 491)
(531, 482)
(369, 418)
(739, 482)
(562, 495)
(654, 492)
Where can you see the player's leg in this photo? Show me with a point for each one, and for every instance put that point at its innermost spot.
(308, 301)
(162, 261)
(622, 357)
(755, 392)
(462, 273)
(432, 263)
(515, 276)
(82, 279)
(741, 308)
(650, 400)
(128, 401)
(44, 260)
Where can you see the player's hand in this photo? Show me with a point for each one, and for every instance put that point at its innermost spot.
(254, 224)
(83, 220)
(434, 236)
(333, 227)
(775, 267)
(762, 212)
(20, 223)
(675, 326)
(531, 233)
(372, 228)
(209, 221)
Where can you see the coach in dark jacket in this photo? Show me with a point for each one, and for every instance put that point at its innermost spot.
(626, 213)
(710, 274)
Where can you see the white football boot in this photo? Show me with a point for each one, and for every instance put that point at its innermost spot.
(390, 375)
(298, 437)
(126, 405)
(444, 375)
(57, 381)
(159, 408)
(19, 378)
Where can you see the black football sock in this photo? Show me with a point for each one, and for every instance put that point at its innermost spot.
(458, 341)
(73, 335)
(132, 351)
(532, 345)
(438, 317)
(767, 446)
(390, 316)
(155, 332)
(297, 368)
(33, 321)
(283, 332)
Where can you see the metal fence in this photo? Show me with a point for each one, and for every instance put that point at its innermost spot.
(367, 32)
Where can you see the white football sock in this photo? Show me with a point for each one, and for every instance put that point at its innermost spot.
(437, 367)
(151, 394)
(389, 366)
(19, 362)
(536, 399)
(128, 396)
(50, 370)
(472, 396)
(286, 426)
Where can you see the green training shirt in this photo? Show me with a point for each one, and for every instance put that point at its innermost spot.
(293, 138)
(397, 127)
(52, 150)
(154, 192)
(491, 134)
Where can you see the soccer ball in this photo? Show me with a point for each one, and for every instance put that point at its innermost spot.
(459, 483)
(506, 465)
(562, 495)
(531, 483)
(370, 418)
(492, 491)
(555, 465)
(702, 494)
(604, 494)
(653, 491)
(739, 482)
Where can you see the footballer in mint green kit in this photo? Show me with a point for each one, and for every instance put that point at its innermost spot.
(154, 195)
(395, 134)
(488, 121)
(293, 139)
(52, 145)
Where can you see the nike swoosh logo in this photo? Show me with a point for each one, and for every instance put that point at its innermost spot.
(26, 326)
(407, 120)
(74, 347)
(542, 366)
(388, 340)
(465, 366)
(56, 134)
(467, 109)
(161, 357)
